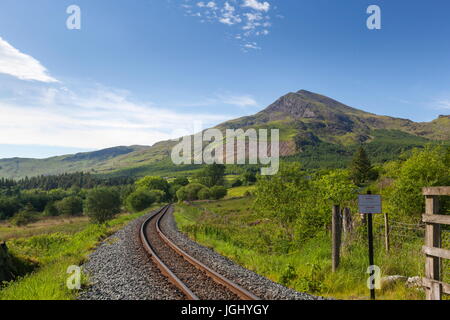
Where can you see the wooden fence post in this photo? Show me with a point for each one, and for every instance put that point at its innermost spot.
(336, 230)
(347, 221)
(386, 232)
(433, 239)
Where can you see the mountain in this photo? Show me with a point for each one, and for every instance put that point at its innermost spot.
(314, 128)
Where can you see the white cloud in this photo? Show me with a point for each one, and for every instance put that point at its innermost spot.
(252, 45)
(241, 101)
(443, 104)
(255, 4)
(20, 65)
(248, 19)
(92, 119)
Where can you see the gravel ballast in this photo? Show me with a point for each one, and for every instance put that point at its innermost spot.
(257, 284)
(120, 269)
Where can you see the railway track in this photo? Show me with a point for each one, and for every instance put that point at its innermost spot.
(195, 280)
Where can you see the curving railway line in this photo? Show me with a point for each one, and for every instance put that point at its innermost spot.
(190, 276)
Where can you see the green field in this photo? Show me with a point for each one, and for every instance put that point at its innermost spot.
(239, 191)
(53, 249)
(232, 229)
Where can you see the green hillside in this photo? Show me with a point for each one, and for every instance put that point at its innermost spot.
(315, 129)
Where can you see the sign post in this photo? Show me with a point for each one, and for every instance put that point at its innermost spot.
(370, 204)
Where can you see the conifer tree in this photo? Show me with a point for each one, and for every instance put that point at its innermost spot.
(361, 168)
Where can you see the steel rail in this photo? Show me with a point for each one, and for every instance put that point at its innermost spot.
(161, 265)
(233, 287)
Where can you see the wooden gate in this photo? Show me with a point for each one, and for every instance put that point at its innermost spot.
(433, 244)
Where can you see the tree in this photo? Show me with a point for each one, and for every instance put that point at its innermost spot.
(102, 204)
(204, 194)
(181, 181)
(182, 194)
(249, 176)
(212, 175)
(159, 195)
(336, 187)
(9, 206)
(51, 210)
(236, 183)
(24, 217)
(425, 168)
(154, 183)
(361, 167)
(282, 197)
(71, 206)
(190, 192)
(140, 200)
(218, 192)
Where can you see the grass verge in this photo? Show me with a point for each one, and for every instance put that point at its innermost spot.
(54, 253)
(233, 230)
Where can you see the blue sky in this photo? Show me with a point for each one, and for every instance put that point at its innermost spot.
(141, 71)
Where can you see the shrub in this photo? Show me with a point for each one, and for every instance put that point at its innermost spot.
(51, 210)
(9, 206)
(181, 181)
(154, 183)
(71, 206)
(140, 200)
(425, 168)
(190, 192)
(212, 175)
(236, 183)
(159, 195)
(204, 194)
(218, 192)
(102, 204)
(24, 217)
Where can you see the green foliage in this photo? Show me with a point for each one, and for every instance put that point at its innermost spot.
(181, 181)
(204, 194)
(301, 202)
(69, 180)
(24, 217)
(425, 168)
(51, 210)
(160, 195)
(218, 192)
(190, 192)
(154, 183)
(249, 176)
(336, 187)
(102, 204)
(8, 206)
(361, 168)
(313, 281)
(70, 206)
(283, 196)
(236, 183)
(288, 275)
(212, 175)
(140, 200)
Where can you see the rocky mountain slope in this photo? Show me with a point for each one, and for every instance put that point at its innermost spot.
(310, 124)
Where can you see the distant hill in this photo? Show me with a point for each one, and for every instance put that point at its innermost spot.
(319, 131)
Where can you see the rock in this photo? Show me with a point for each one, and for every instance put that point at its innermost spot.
(414, 282)
(389, 281)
